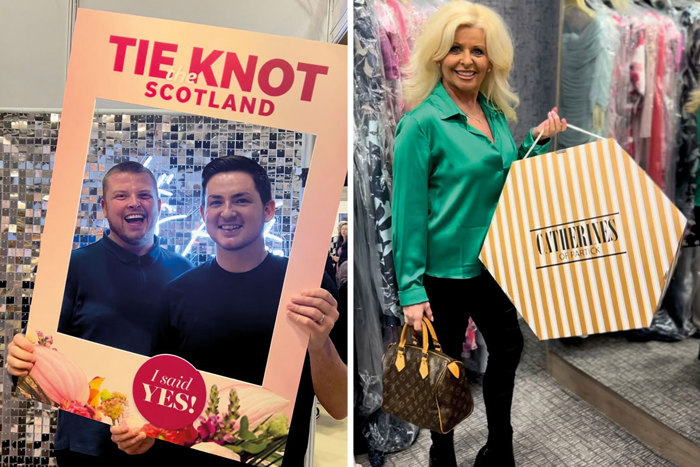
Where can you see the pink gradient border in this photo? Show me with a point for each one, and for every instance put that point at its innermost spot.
(91, 76)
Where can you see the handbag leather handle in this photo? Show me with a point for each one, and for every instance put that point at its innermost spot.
(425, 324)
(402, 339)
(431, 329)
(400, 362)
(427, 330)
(453, 367)
(404, 331)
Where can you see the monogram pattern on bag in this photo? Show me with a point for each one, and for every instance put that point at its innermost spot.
(438, 402)
(454, 399)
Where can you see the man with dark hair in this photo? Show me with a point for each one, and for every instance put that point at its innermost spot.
(221, 314)
(112, 290)
(238, 164)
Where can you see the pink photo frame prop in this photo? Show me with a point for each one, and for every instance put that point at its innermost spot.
(261, 79)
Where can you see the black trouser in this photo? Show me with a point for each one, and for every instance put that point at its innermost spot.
(492, 312)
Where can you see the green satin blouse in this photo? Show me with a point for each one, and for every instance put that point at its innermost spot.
(448, 177)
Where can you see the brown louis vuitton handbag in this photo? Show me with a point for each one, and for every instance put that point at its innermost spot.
(425, 386)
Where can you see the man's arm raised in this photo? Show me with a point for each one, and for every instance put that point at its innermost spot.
(317, 311)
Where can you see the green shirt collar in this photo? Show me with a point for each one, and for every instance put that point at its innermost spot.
(447, 107)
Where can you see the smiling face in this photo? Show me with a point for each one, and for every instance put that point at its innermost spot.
(235, 215)
(466, 64)
(131, 206)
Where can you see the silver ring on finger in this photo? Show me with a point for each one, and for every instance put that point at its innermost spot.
(320, 321)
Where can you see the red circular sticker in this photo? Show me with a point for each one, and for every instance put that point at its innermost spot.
(169, 392)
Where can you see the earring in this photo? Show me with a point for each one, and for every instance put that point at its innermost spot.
(488, 71)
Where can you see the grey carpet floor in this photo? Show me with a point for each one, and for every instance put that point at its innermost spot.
(552, 427)
(661, 378)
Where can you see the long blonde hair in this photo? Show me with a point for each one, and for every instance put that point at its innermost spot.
(435, 41)
(693, 101)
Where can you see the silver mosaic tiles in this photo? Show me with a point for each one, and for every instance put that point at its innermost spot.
(176, 148)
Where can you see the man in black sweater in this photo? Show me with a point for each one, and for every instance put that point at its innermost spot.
(112, 289)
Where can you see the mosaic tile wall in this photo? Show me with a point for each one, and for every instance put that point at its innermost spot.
(175, 148)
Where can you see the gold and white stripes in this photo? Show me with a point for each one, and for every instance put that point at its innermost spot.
(610, 281)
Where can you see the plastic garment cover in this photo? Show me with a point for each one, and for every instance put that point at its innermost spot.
(619, 78)
(655, 123)
(673, 321)
(687, 154)
(664, 125)
(389, 432)
(474, 353)
(374, 287)
(374, 101)
(626, 91)
(586, 71)
(649, 78)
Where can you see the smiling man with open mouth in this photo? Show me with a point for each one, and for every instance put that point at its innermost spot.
(131, 206)
(112, 288)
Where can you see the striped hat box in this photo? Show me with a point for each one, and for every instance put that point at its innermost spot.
(583, 241)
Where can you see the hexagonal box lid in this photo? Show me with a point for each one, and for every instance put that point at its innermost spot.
(583, 241)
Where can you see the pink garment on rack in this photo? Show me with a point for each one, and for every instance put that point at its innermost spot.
(393, 36)
(638, 65)
(652, 30)
(661, 163)
(391, 65)
(655, 166)
(470, 341)
(635, 97)
(617, 114)
(403, 51)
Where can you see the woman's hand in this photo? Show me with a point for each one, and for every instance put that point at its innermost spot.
(414, 314)
(551, 126)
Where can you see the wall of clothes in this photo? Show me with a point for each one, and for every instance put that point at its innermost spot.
(627, 68)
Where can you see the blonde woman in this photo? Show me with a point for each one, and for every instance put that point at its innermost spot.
(452, 154)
